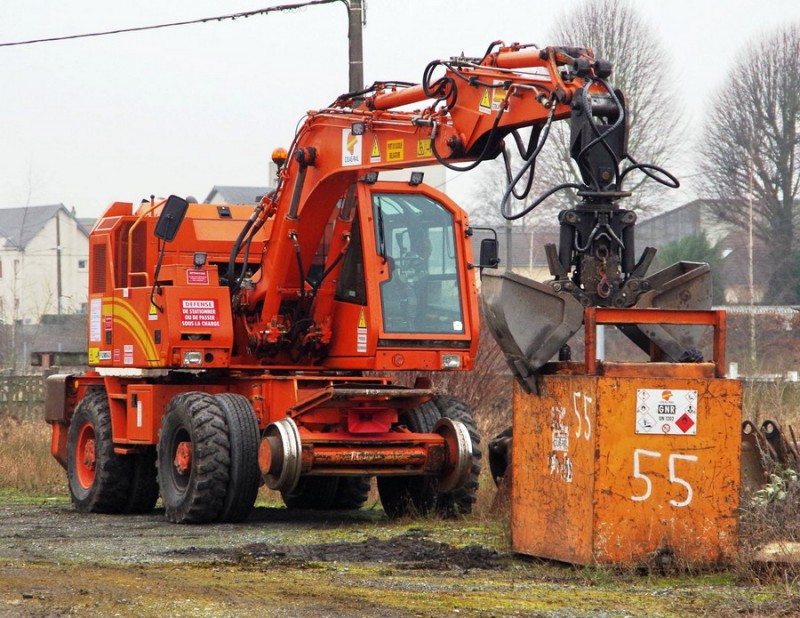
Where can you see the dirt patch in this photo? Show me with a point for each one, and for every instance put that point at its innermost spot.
(411, 550)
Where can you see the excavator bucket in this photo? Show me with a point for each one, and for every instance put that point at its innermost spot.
(529, 321)
(683, 285)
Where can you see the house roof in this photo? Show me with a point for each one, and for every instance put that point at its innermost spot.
(236, 195)
(20, 225)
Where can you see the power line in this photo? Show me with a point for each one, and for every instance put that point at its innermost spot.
(202, 20)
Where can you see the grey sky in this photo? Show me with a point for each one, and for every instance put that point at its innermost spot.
(179, 110)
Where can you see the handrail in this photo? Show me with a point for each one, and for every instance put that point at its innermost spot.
(609, 315)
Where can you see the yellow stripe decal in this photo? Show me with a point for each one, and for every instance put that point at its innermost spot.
(126, 317)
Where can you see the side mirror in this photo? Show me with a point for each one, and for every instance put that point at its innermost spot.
(489, 252)
(171, 218)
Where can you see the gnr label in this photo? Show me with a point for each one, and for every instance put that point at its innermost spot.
(666, 411)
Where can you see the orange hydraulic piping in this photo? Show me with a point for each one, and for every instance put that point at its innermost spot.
(398, 98)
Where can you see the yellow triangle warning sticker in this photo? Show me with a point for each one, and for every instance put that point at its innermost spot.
(362, 320)
(486, 101)
(375, 156)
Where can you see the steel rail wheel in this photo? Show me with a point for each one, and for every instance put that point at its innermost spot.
(280, 455)
(99, 479)
(460, 500)
(193, 459)
(455, 493)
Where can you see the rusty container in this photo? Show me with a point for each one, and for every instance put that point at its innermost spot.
(637, 463)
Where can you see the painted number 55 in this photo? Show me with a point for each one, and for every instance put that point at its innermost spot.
(673, 477)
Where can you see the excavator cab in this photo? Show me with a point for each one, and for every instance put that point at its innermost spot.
(413, 241)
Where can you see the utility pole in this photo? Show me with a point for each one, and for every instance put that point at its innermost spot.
(58, 262)
(355, 20)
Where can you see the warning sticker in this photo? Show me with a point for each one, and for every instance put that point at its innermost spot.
(394, 150)
(361, 333)
(498, 96)
(375, 155)
(351, 148)
(424, 148)
(197, 277)
(666, 411)
(199, 313)
(95, 317)
(486, 102)
(127, 351)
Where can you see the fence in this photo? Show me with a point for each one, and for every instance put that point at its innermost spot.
(22, 396)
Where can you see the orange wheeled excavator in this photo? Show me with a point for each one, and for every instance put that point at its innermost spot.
(232, 345)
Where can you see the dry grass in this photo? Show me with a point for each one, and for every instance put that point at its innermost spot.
(25, 461)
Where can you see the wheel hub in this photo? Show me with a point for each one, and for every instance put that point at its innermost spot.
(457, 470)
(183, 457)
(89, 458)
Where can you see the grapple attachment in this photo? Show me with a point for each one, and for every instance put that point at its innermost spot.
(531, 321)
(683, 285)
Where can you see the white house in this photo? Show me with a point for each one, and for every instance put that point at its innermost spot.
(44, 263)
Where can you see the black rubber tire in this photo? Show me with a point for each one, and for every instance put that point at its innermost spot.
(312, 492)
(352, 493)
(245, 474)
(403, 496)
(101, 486)
(144, 483)
(460, 501)
(196, 496)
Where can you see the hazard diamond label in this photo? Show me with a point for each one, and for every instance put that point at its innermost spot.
(684, 423)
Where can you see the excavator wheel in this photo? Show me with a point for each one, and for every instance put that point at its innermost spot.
(193, 459)
(412, 495)
(244, 474)
(99, 479)
(144, 483)
(312, 492)
(352, 493)
(328, 493)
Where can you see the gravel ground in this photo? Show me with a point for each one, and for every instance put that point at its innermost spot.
(56, 562)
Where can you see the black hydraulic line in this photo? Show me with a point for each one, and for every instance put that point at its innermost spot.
(671, 181)
(601, 137)
(529, 163)
(233, 281)
(298, 255)
(542, 198)
(480, 159)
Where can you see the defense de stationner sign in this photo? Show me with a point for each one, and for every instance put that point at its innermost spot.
(666, 411)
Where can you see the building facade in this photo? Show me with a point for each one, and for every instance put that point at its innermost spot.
(44, 263)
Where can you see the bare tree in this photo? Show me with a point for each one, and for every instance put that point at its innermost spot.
(750, 150)
(617, 33)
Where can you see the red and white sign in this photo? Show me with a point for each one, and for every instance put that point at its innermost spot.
(199, 313)
(197, 277)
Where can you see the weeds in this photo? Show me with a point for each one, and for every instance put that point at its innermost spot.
(25, 460)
